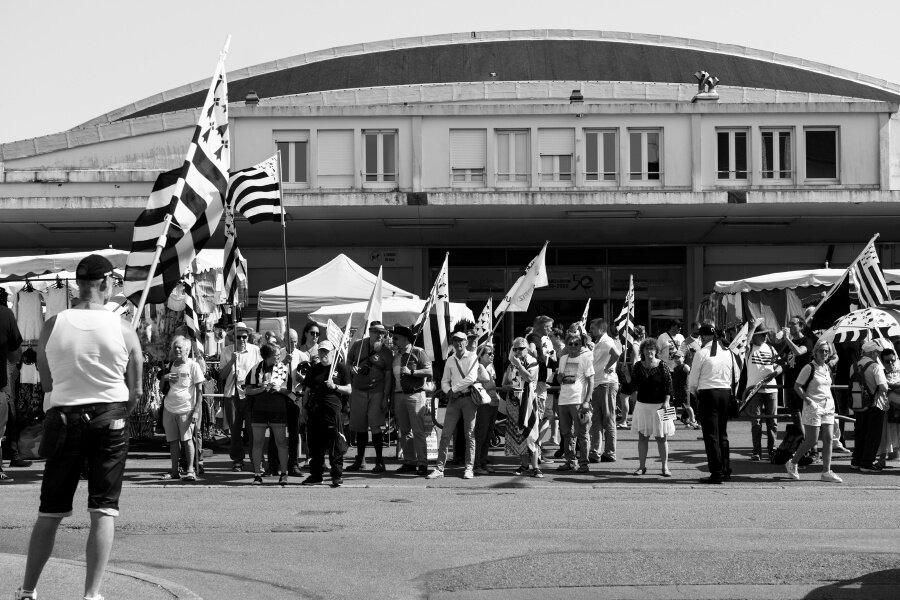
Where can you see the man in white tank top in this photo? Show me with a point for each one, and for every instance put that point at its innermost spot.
(91, 361)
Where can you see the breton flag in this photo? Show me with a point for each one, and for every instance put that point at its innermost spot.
(519, 296)
(373, 309)
(439, 299)
(191, 196)
(190, 313)
(235, 267)
(624, 323)
(343, 341)
(255, 192)
(872, 290)
(485, 325)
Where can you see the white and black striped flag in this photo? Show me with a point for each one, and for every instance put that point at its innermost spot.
(255, 193)
(439, 299)
(484, 328)
(192, 195)
(191, 321)
(624, 323)
(865, 274)
(235, 267)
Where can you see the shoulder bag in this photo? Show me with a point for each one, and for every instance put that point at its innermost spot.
(479, 395)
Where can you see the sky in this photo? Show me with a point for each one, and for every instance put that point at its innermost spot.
(68, 61)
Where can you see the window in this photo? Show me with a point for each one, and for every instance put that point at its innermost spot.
(644, 155)
(513, 158)
(557, 150)
(777, 159)
(293, 146)
(335, 158)
(468, 155)
(600, 154)
(380, 155)
(821, 153)
(731, 154)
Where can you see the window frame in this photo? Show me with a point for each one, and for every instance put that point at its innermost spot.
(644, 172)
(507, 179)
(323, 178)
(468, 172)
(380, 173)
(837, 158)
(776, 174)
(601, 181)
(292, 137)
(556, 173)
(732, 171)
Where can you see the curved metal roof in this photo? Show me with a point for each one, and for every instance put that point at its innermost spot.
(525, 56)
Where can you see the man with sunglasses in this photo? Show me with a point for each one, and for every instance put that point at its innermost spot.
(370, 361)
(238, 359)
(411, 369)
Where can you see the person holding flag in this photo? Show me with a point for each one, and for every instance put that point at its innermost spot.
(605, 391)
(371, 363)
(412, 370)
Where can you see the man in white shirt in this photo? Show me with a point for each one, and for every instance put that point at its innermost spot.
(603, 398)
(760, 365)
(691, 344)
(669, 342)
(576, 381)
(712, 377)
(460, 372)
(239, 358)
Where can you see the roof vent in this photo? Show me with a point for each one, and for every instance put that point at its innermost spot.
(576, 97)
(252, 98)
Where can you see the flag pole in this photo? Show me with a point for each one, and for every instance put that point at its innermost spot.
(160, 244)
(841, 280)
(287, 310)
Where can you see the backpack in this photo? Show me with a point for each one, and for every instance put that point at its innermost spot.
(793, 437)
(861, 397)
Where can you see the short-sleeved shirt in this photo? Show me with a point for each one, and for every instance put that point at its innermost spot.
(602, 349)
(374, 364)
(874, 376)
(665, 350)
(794, 363)
(180, 397)
(415, 359)
(320, 396)
(246, 360)
(576, 369)
(761, 365)
(819, 387)
(680, 384)
(10, 340)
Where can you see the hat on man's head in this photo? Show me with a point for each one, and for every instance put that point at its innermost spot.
(326, 345)
(241, 326)
(872, 346)
(459, 335)
(377, 326)
(404, 331)
(761, 329)
(93, 267)
(707, 330)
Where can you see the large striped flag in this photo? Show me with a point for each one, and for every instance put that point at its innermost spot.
(872, 290)
(485, 325)
(439, 299)
(191, 321)
(192, 196)
(255, 192)
(235, 267)
(519, 296)
(624, 323)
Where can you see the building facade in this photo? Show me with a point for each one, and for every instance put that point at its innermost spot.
(488, 144)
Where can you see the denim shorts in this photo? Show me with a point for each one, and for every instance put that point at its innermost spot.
(95, 435)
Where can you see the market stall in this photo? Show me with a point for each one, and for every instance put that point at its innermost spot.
(394, 311)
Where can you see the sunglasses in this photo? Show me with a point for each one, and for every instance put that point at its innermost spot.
(518, 349)
(315, 333)
(574, 344)
(243, 337)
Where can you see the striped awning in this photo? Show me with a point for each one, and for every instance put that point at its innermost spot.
(883, 321)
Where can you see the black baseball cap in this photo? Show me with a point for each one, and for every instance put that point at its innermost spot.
(404, 331)
(93, 267)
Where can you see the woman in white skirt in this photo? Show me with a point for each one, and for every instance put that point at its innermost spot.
(652, 381)
(814, 388)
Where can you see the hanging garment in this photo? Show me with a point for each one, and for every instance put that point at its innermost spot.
(30, 315)
(57, 299)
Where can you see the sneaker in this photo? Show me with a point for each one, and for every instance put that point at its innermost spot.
(379, 468)
(583, 469)
(19, 462)
(468, 474)
(358, 465)
(559, 453)
(406, 468)
(607, 458)
(189, 476)
(257, 480)
(5, 478)
(593, 458)
(830, 477)
(854, 466)
(537, 473)
(20, 595)
(482, 471)
(437, 473)
(282, 479)
(873, 468)
(422, 471)
(311, 480)
(522, 470)
(237, 466)
(295, 471)
(840, 449)
(337, 482)
(566, 466)
(755, 457)
(791, 468)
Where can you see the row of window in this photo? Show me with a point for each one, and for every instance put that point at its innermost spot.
(556, 156)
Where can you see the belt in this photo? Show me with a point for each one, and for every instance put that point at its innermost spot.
(96, 409)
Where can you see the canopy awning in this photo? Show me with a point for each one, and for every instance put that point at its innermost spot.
(791, 280)
(17, 267)
(394, 311)
(340, 281)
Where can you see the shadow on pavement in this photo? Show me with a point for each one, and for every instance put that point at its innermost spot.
(871, 586)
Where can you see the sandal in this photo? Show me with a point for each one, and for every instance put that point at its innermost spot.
(666, 472)
(169, 477)
(640, 471)
(189, 477)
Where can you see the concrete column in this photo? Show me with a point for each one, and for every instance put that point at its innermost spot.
(884, 151)
(694, 292)
(417, 148)
(755, 149)
(696, 155)
(490, 158)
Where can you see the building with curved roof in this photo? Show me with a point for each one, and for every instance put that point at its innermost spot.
(489, 143)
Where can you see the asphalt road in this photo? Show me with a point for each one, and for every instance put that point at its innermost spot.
(608, 534)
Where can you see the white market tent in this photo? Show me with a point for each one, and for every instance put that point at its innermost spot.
(17, 267)
(339, 281)
(791, 280)
(394, 311)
